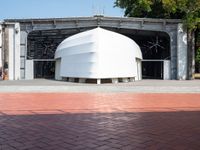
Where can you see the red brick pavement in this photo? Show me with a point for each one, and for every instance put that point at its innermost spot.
(99, 121)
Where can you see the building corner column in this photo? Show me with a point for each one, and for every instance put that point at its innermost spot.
(182, 55)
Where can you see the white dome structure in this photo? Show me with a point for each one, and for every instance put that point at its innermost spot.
(98, 54)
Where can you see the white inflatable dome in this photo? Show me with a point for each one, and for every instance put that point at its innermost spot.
(98, 54)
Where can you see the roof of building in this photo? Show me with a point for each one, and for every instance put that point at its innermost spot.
(92, 18)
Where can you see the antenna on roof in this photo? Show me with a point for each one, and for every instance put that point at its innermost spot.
(98, 10)
(103, 11)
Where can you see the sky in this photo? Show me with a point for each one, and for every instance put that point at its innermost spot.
(22, 9)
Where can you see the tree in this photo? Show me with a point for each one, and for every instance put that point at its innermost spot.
(187, 10)
(149, 8)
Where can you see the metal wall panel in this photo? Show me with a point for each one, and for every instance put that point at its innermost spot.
(29, 70)
(22, 63)
(166, 68)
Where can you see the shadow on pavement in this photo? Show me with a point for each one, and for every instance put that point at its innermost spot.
(101, 131)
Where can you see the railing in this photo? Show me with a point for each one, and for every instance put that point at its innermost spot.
(43, 59)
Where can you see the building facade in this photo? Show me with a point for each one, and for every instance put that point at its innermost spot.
(27, 46)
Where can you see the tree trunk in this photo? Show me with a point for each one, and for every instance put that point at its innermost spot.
(191, 54)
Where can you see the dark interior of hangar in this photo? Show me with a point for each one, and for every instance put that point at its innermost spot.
(42, 45)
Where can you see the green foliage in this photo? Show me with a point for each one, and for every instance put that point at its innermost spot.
(188, 10)
(141, 8)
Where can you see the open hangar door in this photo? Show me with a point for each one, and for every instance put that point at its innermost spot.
(155, 48)
(41, 48)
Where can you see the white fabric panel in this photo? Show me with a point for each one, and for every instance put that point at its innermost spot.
(98, 53)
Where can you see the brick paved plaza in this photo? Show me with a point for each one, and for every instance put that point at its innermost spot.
(95, 121)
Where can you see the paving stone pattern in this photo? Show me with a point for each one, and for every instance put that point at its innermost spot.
(144, 86)
(99, 121)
